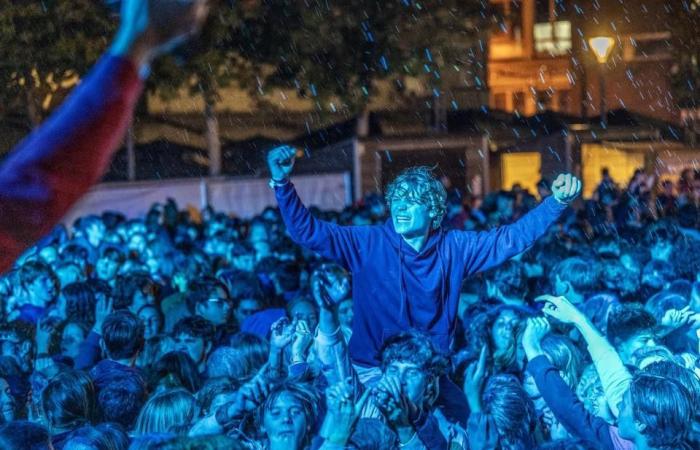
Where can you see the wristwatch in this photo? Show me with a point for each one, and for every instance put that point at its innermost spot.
(275, 183)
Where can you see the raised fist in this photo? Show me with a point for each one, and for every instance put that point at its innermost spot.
(566, 188)
(280, 161)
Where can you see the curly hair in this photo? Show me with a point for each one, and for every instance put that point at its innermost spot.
(415, 347)
(479, 334)
(589, 390)
(420, 183)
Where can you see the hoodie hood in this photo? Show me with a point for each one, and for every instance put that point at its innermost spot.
(398, 242)
(428, 255)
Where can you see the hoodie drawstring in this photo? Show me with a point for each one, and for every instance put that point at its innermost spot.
(402, 288)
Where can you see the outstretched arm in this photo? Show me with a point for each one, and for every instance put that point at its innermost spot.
(488, 249)
(332, 241)
(613, 374)
(565, 406)
(56, 164)
(331, 348)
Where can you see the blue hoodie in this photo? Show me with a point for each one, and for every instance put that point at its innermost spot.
(396, 288)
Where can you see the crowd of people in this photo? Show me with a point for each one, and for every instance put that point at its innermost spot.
(422, 319)
(175, 331)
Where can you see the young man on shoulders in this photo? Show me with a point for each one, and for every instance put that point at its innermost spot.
(407, 273)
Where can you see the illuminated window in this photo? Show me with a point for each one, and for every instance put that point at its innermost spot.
(620, 163)
(521, 168)
(553, 38)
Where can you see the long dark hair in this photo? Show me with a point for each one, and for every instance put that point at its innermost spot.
(68, 400)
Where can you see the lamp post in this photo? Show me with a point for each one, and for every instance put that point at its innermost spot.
(602, 47)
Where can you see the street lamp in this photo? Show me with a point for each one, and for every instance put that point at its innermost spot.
(602, 47)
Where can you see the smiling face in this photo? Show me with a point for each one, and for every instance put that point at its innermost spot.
(627, 348)
(411, 217)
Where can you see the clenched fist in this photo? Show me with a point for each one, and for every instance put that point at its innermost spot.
(566, 188)
(280, 161)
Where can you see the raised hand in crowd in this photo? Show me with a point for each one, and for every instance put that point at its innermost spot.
(44, 333)
(282, 334)
(536, 329)
(150, 28)
(249, 397)
(328, 289)
(676, 318)
(566, 187)
(280, 161)
(561, 308)
(398, 409)
(342, 412)
(303, 338)
(474, 377)
(103, 308)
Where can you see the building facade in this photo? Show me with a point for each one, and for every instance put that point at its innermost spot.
(540, 58)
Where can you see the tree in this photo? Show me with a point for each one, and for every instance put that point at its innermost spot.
(686, 73)
(45, 47)
(330, 51)
(203, 67)
(338, 49)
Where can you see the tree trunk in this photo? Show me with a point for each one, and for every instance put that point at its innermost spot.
(33, 111)
(362, 129)
(213, 139)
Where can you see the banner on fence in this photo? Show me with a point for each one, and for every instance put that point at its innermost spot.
(240, 197)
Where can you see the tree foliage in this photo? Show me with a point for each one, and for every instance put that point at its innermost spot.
(686, 44)
(327, 49)
(45, 46)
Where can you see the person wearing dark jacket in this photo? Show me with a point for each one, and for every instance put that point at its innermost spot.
(57, 163)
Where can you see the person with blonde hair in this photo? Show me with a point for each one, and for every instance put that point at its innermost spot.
(170, 411)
